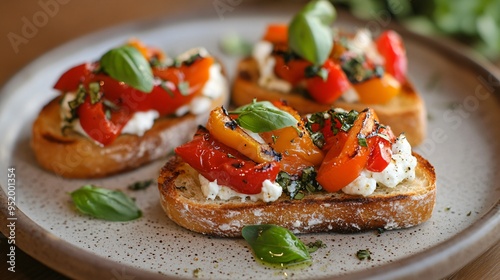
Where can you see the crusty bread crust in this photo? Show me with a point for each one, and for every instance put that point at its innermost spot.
(72, 155)
(404, 113)
(410, 204)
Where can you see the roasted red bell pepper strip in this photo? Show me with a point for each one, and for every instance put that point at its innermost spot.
(329, 90)
(380, 149)
(391, 47)
(95, 123)
(216, 161)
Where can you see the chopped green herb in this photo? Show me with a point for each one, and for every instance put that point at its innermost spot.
(346, 119)
(317, 137)
(447, 208)
(79, 99)
(357, 70)
(315, 70)
(299, 195)
(183, 88)
(468, 214)
(155, 62)
(380, 230)
(109, 104)
(140, 185)
(230, 156)
(192, 59)
(318, 120)
(165, 87)
(287, 55)
(296, 186)
(314, 246)
(176, 63)
(362, 141)
(94, 92)
(364, 255)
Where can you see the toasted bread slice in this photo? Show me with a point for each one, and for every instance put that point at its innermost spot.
(409, 204)
(404, 113)
(72, 155)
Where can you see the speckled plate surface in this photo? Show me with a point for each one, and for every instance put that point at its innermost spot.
(464, 114)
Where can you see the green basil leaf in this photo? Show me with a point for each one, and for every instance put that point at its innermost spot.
(263, 116)
(105, 204)
(127, 64)
(275, 244)
(323, 10)
(309, 33)
(251, 106)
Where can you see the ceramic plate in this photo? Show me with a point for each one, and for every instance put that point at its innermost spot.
(462, 144)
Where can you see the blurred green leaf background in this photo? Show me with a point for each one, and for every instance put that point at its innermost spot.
(473, 22)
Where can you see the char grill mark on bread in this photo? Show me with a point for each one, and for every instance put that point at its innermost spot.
(409, 204)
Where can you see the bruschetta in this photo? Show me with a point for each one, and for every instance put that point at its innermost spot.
(335, 170)
(314, 66)
(130, 107)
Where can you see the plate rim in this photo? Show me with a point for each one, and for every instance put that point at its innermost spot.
(467, 244)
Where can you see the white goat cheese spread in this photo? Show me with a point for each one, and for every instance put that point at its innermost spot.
(138, 124)
(211, 190)
(402, 167)
(141, 122)
(267, 79)
(215, 87)
(362, 43)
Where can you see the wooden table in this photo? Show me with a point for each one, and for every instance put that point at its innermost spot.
(65, 20)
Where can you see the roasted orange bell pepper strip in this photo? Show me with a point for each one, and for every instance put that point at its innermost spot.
(227, 131)
(297, 149)
(342, 165)
(147, 52)
(378, 90)
(276, 33)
